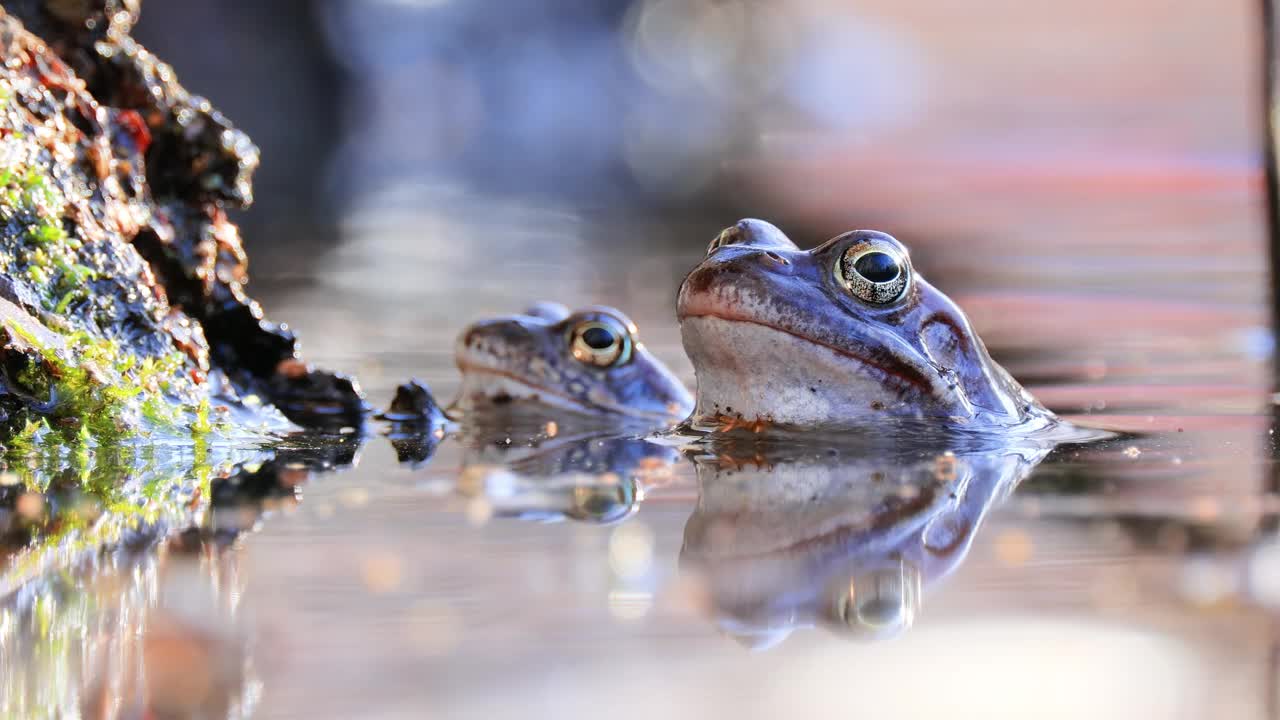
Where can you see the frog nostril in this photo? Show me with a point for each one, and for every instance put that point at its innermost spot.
(776, 257)
(728, 236)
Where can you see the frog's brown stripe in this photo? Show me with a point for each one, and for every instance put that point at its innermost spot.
(905, 373)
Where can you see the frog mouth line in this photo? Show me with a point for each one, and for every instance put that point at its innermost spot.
(537, 390)
(904, 373)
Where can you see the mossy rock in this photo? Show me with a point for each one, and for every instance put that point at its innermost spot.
(124, 313)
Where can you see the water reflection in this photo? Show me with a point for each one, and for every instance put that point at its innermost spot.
(785, 534)
(115, 609)
(415, 423)
(153, 634)
(846, 538)
(553, 474)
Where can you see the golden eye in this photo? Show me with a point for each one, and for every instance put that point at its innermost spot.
(875, 273)
(600, 343)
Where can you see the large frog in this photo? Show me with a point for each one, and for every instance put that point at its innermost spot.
(589, 362)
(844, 334)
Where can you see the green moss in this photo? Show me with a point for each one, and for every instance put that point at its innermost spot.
(37, 275)
(30, 437)
(103, 395)
(46, 253)
(201, 425)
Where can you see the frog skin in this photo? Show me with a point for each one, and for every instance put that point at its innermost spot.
(843, 334)
(849, 541)
(589, 362)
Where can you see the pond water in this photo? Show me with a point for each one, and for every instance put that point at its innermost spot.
(1079, 177)
(585, 573)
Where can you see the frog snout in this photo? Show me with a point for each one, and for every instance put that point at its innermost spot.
(758, 233)
(751, 260)
(738, 265)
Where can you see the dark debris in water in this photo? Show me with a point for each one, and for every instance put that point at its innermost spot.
(413, 403)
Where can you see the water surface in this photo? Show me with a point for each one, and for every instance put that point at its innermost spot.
(568, 575)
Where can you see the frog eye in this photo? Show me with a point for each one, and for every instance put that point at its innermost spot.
(602, 343)
(875, 273)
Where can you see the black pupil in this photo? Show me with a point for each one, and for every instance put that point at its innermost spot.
(877, 267)
(597, 338)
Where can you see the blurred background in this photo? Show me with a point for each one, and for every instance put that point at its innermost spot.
(1084, 178)
(675, 102)
(1107, 146)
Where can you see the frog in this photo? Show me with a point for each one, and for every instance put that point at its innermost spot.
(587, 363)
(844, 334)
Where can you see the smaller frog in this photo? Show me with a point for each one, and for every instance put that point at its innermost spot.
(844, 334)
(589, 362)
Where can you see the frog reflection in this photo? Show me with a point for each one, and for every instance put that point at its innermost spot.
(847, 539)
(587, 477)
